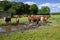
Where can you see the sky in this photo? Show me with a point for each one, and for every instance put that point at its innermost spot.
(54, 5)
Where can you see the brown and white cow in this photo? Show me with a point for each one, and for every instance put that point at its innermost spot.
(34, 18)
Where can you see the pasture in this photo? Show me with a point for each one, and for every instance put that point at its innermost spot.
(49, 32)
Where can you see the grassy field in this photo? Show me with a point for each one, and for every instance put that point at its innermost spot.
(51, 32)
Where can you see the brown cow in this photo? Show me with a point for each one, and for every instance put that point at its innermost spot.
(34, 18)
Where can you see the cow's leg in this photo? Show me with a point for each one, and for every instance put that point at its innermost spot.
(29, 21)
(45, 20)
(37, 22)
(10, 21)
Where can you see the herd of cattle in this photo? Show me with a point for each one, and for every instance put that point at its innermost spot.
(31, 18)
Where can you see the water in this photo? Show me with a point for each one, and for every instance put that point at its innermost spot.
(2, 30)
(24, 27)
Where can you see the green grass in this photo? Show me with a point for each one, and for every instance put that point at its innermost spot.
(51, 32)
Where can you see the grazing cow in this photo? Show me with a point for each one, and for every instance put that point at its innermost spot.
(8, 19)
(34, 18)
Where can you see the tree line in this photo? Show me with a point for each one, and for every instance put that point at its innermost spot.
(19, 8)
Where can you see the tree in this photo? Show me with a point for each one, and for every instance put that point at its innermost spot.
(13, 7)
(33, 9)
(1, 6)
(20, 8)
(45, 10)
(26, 8)
(5, 5)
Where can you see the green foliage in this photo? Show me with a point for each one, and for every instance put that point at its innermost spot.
(20, 8)
(13, 8)
(45, 10)
(33, 9)
(5, 5)
(1, 9)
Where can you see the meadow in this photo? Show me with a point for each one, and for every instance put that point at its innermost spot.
(51, 32)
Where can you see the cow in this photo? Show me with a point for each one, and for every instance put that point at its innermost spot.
(8, 19)
(34, 18)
